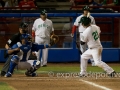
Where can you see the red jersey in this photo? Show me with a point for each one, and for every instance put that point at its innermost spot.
(26, 4)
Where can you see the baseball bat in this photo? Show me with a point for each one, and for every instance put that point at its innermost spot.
(88, 15)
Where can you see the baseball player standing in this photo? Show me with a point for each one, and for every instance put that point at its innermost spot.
(78, 25)
(91, 36)
(41, 32)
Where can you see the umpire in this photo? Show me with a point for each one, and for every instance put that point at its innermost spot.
(23, 28)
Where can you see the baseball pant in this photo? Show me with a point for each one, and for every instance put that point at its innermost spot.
(6, 66)
(94, 53)
(83, 48)
(42, 54)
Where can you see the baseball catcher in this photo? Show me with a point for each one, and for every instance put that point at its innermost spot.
(23, 28)
(20, 53)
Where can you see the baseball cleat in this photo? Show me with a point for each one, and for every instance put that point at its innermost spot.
(2, 73)
(112, 74)
(8, 74)
(83, 74)
(34, 74)
(44, 66)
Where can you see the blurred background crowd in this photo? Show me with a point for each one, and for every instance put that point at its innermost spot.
(35, 3)
(62, 25)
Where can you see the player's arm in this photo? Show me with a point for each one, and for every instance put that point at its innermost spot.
(11, 51)
(11, 42)
(33, 36)
(33, 31)
(36, 47)
(52, 29)
(84, 37)
(75, 26)
(7, 46)
(93, 22)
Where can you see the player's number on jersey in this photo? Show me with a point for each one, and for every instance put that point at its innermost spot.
(95, 35)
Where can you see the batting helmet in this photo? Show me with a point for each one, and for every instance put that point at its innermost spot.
(85, 20)
(86, 8)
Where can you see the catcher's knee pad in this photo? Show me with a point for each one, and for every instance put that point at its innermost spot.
(36, 64)
(15, 59)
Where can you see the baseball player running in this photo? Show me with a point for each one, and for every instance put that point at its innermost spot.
(86, 10)
(91, 36)
(20, 53)
(41, 32)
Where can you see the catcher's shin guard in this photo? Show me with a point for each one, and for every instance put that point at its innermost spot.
(13, 63)
(31, 71)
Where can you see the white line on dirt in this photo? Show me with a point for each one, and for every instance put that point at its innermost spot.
(96, 85)
(37, 78)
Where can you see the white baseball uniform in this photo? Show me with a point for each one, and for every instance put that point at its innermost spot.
(81, 29)
(91, 37)
(42, 30)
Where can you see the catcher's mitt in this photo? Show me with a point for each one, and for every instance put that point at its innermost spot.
(53, 40)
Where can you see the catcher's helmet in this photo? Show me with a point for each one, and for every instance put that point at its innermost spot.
(23, 25)
(86, 8)
(85, 20)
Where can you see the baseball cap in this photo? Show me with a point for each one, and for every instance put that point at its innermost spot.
(86, 8)
(43, 12)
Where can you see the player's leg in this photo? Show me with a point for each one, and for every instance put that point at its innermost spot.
(45, 53)
(84, 60)
(39, 41)
(6, 66)
(45, 57)
(97, 57)
(14, 61)
(34, 65)
(83, 48)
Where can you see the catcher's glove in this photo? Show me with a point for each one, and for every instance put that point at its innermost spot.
(53, 40)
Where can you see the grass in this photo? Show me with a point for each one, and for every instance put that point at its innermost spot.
(5, 86)
(69, 69)
(58, 67)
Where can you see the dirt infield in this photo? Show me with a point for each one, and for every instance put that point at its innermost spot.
(20, 82)
(46, 82)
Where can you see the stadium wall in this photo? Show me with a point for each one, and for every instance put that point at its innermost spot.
(72, 55)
